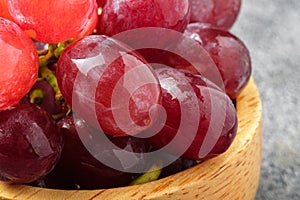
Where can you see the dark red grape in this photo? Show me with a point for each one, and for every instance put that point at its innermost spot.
(229, 53)
(82, 168)
(202, 116)
(216, 13)
(30, 143)
(119, 16)
(96, 75)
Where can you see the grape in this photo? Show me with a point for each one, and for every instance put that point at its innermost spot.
(82, 168)
(19, 64)
(4, 10)
(230, 55)
(53, 21)
(215, 13)
(119, 16)
(103, 79)
(216, 117)
(30, 144)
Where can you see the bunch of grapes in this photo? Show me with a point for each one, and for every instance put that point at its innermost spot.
(108, 93)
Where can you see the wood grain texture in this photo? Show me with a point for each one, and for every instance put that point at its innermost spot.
(232, 175)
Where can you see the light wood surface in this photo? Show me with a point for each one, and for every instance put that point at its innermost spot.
(232, 175)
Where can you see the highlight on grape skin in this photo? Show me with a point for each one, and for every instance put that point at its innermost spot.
(19, 64)
(53, 21)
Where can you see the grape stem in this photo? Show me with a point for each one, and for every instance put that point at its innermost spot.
(151, 175)
(47, 57)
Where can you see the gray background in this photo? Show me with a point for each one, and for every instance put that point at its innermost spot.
(271, 30)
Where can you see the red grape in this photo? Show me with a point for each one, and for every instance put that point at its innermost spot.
(53, 21)
(230, 55)
(86, 171)
(217, 13)
(97, 76)
(119, 16)
(202, 116)
(19, 64)
(30, 144)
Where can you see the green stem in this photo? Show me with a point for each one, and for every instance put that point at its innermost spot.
(151, 175)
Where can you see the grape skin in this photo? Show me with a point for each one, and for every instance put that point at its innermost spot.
(54, 21)
(207, 96)
(119, 16)
(78, 167)
(229, 53)
(19, 67)
(30, 144)
(219, 14)
(100, 64)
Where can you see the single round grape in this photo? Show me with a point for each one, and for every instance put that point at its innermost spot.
(96, 75)
(216, 116)
(229, 53)
(19, 64)
(4, 10)
(30, 143)
(84, 170)
(53, 21)
(216, 13)
(119, 16)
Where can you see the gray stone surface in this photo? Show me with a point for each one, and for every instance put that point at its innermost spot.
(271, 30)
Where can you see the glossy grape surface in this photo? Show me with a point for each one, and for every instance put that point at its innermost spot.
(216, 13)
(96, 75)
(207, 108)
(19, 64)
(230, 55)
(30, 144)
(84, 170)
(118, 16)
(55, 21)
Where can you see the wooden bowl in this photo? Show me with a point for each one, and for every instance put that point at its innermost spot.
(232, 175)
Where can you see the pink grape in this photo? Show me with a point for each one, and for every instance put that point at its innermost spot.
(216, 13)
(119, 16)
(53, 21)
(19, 64)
